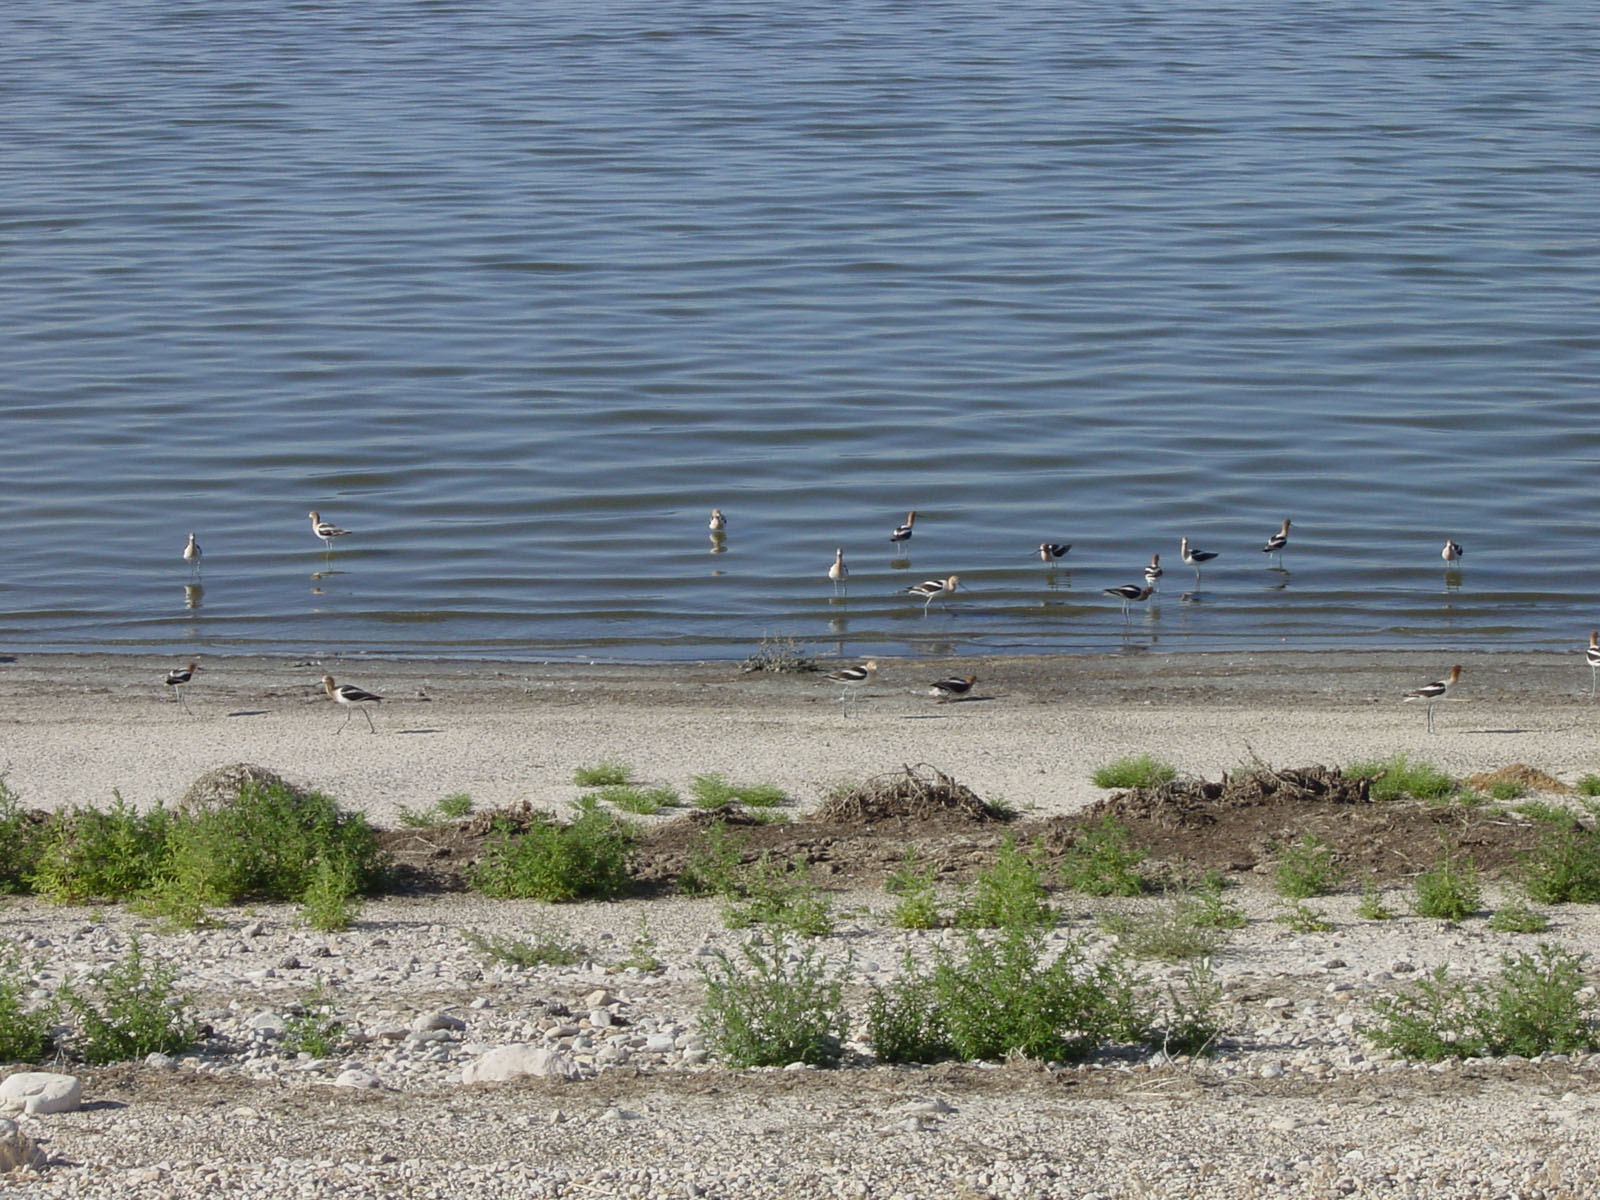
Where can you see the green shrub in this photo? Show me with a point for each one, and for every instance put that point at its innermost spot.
(25, 1033)
(914, 883)
(95, 854)
(1138, 771)
(1517, 918)
(130, 1010)
(606, 774)
(713, 862)
(1008, 894)
(22, 842)
(905, 1022)
(331, 899)
(1194, 1005)
(1533, 1008)
(1399, 776)
(1181, 930)
(773, 1007)
(313, 1029)
(1449, 889)
(1589, 785)
(642, 950)
(588, 859)
(1307, 869)
(1208, 910)
(544, 947)
(1544, 812)
(1101, 863)
(1507, 789)
(781, 895)
(641, 801)
(1564, 868)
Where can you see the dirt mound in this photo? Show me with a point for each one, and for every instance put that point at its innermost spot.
(1529, 778)
(221, 786)
(919, 793)
(1188, 803)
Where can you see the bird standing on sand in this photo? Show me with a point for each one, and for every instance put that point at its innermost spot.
(326, 530)
(930, 588)
(179, 676)
(1277, 542)
(350, 697)
(852, 680)
(1194, 558)
(191, 554)
(838, 572)
(902, 533)
(952, 688)
(1593, 655)
(1434, 692)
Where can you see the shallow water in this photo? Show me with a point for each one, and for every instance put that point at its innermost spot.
(518, 293)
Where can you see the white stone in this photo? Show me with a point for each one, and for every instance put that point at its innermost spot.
(357, 1078)
(513, 1061)
(426, 1022)
(39, 1092)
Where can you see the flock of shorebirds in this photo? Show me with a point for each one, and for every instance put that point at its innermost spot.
(853, 679)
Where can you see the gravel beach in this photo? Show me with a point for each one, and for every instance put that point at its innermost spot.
(1297, 1104)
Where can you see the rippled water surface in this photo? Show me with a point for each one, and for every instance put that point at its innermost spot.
(518, 292)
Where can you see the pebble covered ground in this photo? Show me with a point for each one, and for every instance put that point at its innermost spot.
(1297, 1103)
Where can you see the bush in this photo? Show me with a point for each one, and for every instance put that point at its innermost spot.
(781, 895)
(589, 859)
(25, 1033)
(1008, 894)
(1517, 918)
(314, 1029)
(1101, 863)
(1372, 907)
(905, 1022)
(1183, 930)
(1449, 889)
(1589, 785)
(1564, 868)
(1302, 918)
(90, 854)
(606, 774)
(442, 812)
(131, 1010)
(1533, 1008)
(1307, 869)
(22, 842)
(773, 1007)
(1138, 771)
(713, 865)
(1194, 1003)
(713, 791)
(1399, 776)
(643, 802)
(913, 882)
(545, 948)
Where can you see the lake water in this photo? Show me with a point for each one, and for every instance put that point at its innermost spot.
(518, 292)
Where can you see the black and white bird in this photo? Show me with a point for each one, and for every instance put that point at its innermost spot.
(902, 533)
(718, 522)
(852, 680)
(191, 553)
(350, 697)
(1052, 551)
(1278, 541)
(1593, 655)
(1432, 693)
(1194, 558)
(1153, 573)
(952, 688)
(929, 589)
(179, 676)
(838, 572)
(1451, 554)
(326, 530)
(1128, 593)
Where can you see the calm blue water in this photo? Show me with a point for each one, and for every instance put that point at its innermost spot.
(519, 291)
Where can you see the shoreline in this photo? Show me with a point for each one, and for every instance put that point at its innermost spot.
(77, 728)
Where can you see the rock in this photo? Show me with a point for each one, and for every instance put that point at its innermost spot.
(39, 1092)
(424, 1022)
(516, 1060)
(598, 998)
(354, 1077)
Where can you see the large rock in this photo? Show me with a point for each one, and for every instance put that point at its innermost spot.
(40, 1092)
(523, 1058)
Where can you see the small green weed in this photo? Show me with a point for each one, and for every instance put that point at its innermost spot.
(1307, 868)
(1372, 906)
(1449, 889)
(543, 947)
(713, 864)
(444, 811)
(711, 790)
(1137, 771)
(1174, 934)
(332, 898)
(1195, 1023)
(1544, 812)
(1101, 863)
(780, 895)
(25, 1033)
(640, 801)
(1302, 918)
(1009, 894)
(1517, 918)
(313, 1029)
(642, 950)
(129, 1010)
(1399, 776)
(773, 1007)
(1564, 867)
(914, 883)
(605, 774)
(1589, 785)
(1506, 790)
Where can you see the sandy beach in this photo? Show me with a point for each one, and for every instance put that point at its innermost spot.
(76, 728)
